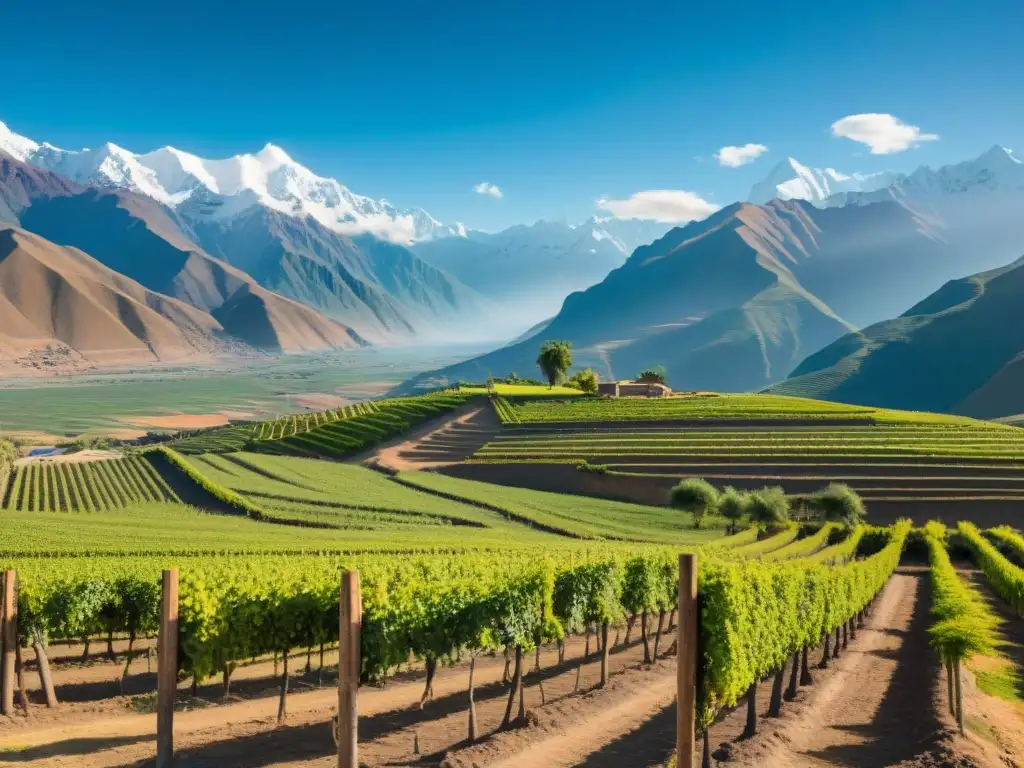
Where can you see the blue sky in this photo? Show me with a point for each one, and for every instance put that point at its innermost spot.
(557, 103)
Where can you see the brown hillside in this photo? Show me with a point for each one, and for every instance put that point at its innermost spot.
(50, 295)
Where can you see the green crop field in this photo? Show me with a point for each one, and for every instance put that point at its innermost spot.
(573, 515)
(703, 406)
(332, 434)
(45, 486)
(969, 441)
(523, 390)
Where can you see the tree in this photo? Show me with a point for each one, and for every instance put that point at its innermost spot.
(555, 360)
(733, 505)
(696, 496)
(837, 503)
(769, 506)
(585, 381)
(652, 376)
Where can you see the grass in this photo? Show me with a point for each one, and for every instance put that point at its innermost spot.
(578, 516)
(108, 403)
(343, 495)
(998, 677)
(524, 390)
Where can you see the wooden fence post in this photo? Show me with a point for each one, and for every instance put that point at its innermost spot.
(686, 661)
(10, 641)
(350, 617)
(167, 670)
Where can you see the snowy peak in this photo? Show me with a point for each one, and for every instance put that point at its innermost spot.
(227, 187)
(790, 180)
(994, 171)
(14, 145)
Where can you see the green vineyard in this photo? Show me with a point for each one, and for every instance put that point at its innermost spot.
(95, 486)
(330, 434)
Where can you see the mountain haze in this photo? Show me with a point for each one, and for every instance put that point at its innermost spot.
(734, 302)
(959, 350)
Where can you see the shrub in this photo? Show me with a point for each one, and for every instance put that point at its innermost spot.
(652, 376)
(696, 496)
(837, 503)
(768, 506)
(732, 505)
(585, 381)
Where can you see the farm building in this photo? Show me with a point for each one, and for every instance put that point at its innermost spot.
(632, 389)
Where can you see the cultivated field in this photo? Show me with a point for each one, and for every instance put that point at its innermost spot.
(905, 461)
(454, 569)
(328, 434)
(96, 486)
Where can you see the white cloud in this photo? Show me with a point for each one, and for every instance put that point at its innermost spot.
(885, 134)
(667, 205)
(734, 157)
(486, 188)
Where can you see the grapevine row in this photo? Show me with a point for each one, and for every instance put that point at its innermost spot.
(1006, 578)
(439, 607)
(92, 487)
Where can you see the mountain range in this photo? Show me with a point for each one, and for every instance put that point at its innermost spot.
(396, 276)
(737, 301)
(108, 257)
(791, 180)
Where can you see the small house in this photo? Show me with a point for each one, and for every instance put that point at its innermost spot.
(633, 389)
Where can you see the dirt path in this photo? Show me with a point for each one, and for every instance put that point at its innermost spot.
(876, 709)
(567, 732)
(435, 444)
(245, 733)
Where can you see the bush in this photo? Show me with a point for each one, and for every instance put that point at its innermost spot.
(769, 506)
(732, 505)
(837, 503)
(652, 376)
(696, 496)
(585, 381)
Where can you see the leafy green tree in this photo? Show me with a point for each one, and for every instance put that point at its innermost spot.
(696, 496)
(585, 381)
(837, 503)
(733, 506)
(769, 506)
(555, 360)
(652, 376)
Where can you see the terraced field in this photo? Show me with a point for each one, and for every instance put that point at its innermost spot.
(331, 434)
(96, 486)
(358, 499)
(703, 407)
(901, 460)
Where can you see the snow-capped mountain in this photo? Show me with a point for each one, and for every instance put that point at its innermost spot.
(995, 171)
(224, 188)
(792, 180)
(625, 234)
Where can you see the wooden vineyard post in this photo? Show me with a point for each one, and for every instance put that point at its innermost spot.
(167, 670)
(9, 611)
(350, 619)
(686, 661)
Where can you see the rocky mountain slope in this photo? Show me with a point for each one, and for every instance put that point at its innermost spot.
(959, 350)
